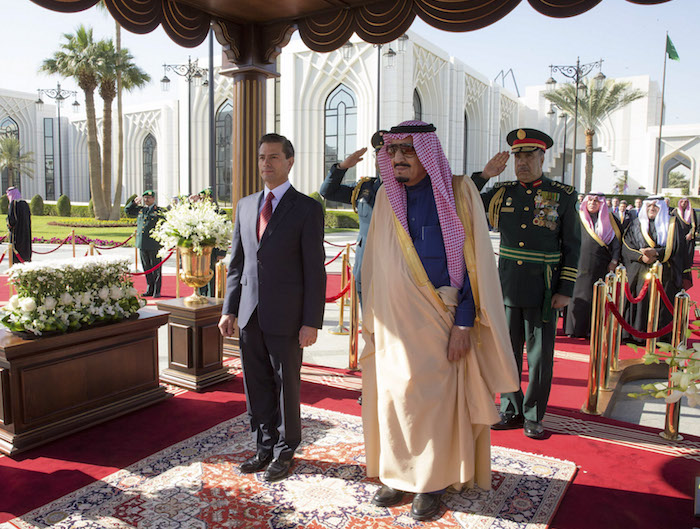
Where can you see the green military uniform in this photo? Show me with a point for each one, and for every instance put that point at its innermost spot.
(147, 217)
(539, 251)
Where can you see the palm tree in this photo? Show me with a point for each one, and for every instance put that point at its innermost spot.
(599, 101)
(77, 58)
(12, 159)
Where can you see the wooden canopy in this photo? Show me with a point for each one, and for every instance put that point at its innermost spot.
(252, 31)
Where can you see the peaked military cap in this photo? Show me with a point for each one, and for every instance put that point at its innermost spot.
(528, 140)
(378, 139)
(148, 193)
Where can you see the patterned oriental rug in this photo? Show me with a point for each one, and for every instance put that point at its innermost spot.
(196, 484)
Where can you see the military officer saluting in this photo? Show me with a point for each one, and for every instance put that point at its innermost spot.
(148, 215)
(360, 195)
(539, 251)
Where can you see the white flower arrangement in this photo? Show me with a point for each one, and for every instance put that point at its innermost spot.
(193, 225)
(66, 295)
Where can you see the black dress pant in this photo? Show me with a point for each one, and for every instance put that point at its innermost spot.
(272, 379)
(149, 259)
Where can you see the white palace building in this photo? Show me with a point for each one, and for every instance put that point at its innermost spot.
(329, 105)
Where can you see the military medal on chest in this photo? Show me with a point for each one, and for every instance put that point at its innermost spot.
(546, 205)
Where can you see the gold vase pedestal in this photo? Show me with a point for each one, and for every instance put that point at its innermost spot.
(196, 272)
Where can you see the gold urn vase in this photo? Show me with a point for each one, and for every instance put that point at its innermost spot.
(196, 272)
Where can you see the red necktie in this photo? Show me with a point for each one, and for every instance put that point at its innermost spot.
(265, 215)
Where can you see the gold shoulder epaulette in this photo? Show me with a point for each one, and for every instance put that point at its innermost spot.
(505, 184)
(358, 188)
(569, 190)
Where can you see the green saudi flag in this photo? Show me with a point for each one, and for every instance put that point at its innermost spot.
(671, 50)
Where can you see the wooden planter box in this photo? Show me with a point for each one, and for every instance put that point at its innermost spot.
(54, 386)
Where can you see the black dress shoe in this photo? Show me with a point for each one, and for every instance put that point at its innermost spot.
(508, 422)
(425, 505)
(277, 470)
(533, 429)
(386, 496)
(148, 293)
(255, 464)
(156, 295)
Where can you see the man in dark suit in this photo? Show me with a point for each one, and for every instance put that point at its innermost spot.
(275, 288)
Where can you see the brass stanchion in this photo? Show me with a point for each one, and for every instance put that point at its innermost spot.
(654, 298)
(220, 282)
(597, 336)
(72, 238)
(10, 262)
(341, 328)
(92, 248)
(621, 275)
(679, 337)
(608, 335)
(178, 259)
(354, 324)
(136, 255)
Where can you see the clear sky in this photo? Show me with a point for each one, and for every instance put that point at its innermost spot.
(629, 38)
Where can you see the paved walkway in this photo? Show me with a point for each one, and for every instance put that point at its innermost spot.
(332, 350)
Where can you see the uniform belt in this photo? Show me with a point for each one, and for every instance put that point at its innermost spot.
(531, 256)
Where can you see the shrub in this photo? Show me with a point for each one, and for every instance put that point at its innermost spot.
(342, 219)
(63, 206)
(91, 209)
(4, 204)
(36, 206)
(318, 198)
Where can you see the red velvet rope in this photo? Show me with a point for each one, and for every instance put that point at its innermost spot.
(19, 257)
(329, 262)
(642, 293)
(634, 332)
(52, 251)
(664, 296)
(340, 294)
(3, 257)
(339, 245)
(154, 268)
(116, 245)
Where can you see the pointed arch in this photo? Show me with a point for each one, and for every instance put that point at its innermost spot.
(224, 150)
(8, 127)
(340, 119)
(150, 163)
(417, 105)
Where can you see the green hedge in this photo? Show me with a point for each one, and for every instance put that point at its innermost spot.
(318, 198)
(4, 204)
(341, 219)
(36, 205)
(63, 206)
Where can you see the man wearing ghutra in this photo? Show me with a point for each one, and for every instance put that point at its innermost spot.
(686, 222)
(652, 236)
(600, 254)
(436, 351)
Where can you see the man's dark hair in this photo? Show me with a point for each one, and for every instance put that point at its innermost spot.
(287, 147)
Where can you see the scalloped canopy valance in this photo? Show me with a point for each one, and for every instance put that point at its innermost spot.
(252, 31)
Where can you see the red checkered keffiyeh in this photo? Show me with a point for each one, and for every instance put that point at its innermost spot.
(433, 158)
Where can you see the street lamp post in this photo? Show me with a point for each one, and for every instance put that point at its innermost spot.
(576, 73)
(552, 112)
(59, 95)
(191, 72)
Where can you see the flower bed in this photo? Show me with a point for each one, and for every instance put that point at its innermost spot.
(92, 223)
(63, 296)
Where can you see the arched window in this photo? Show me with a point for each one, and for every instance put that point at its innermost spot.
(466, 144)
(417, 106)
(224, 156)
(341, 130)
(8, 127)
(150, 164)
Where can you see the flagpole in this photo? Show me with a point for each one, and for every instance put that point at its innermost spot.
(661, 122)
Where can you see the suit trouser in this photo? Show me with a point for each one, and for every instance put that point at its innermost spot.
(272, 380)
(526, 327)
(149, 259)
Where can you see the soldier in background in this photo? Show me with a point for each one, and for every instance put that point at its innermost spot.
(360, 195)
(538, 265)
(148, 214)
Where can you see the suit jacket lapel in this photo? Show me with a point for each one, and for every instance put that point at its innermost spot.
(251, 218)
(285, 204)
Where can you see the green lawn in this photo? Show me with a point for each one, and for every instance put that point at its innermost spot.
(41, 228)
